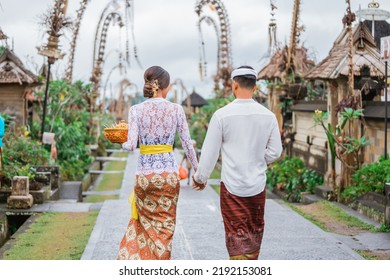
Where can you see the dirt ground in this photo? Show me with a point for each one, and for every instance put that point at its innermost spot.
(324, 217)
(328, 221)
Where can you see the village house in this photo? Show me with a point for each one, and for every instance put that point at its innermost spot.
(16, 84)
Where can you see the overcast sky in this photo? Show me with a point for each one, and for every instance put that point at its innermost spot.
(166, 34)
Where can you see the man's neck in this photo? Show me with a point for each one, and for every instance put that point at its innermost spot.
(244, 95)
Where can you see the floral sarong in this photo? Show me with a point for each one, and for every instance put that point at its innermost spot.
(150, 236)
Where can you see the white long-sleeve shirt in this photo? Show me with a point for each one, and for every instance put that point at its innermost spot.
(248, 136)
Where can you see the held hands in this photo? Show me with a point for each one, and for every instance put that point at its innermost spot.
(198, 186)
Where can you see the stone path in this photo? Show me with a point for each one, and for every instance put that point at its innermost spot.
(199, 233)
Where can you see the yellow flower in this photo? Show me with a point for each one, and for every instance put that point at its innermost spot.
(318, 112)
(26, 133)
(62, 96)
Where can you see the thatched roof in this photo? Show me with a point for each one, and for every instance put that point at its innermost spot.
(382, 29)
(196, 100)
(276, 68)
(336, 63)
(12, 70)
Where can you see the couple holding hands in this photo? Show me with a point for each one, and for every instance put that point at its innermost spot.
(248, 137)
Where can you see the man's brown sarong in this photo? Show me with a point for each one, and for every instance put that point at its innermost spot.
(150, 236)
(243, 218)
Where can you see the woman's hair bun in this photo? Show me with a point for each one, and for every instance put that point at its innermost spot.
(152, 74)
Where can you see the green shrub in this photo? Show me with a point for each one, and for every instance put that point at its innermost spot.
(283, 171)
(290, 175)
(20, 153)
(68, 116)
(311, 179)
(370, 178)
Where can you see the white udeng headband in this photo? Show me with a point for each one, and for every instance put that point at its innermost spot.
(243, 72)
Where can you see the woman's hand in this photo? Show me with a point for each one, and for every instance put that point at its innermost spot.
(198, 186)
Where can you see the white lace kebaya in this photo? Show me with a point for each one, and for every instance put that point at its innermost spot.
(155, 122)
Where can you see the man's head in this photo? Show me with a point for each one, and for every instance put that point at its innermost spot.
(244, 80)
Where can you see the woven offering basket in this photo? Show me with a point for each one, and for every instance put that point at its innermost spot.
(117, 133)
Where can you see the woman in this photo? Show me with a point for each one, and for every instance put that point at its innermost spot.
(154, 123)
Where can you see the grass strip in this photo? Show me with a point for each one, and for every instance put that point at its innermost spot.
(100, 198)
(54, 236)
(307, 216)
(110, 182)
(332, 211)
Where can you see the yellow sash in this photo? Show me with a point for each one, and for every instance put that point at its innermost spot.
(155, 149)
(131, 200)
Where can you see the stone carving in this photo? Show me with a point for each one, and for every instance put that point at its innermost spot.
(20, 197)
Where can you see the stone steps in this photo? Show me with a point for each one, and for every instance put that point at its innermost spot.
(71, 190)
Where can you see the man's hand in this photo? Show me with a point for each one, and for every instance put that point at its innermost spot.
(198, 186)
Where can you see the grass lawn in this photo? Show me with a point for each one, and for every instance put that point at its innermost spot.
(53, 236)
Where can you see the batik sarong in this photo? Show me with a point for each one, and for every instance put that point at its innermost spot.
(243, 218)
(150, 236)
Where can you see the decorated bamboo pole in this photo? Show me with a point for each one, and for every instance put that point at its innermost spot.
(56, 23)
(2, 128)
(350, 18)
(348, 159)
(69, 68)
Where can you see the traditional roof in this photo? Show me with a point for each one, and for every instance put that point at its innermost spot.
(196, 100)
(336, 63)
(12, 70)
(276, 68)
(382, 29)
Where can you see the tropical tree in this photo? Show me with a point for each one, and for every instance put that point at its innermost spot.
(342, 143)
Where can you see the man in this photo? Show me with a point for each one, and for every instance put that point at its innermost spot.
(249, 138)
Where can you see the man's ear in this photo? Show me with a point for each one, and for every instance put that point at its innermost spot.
(235, 85)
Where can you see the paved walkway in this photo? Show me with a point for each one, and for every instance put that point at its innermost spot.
(199, 233)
